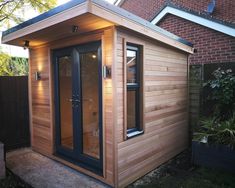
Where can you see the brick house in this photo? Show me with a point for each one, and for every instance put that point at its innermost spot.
(212, 34)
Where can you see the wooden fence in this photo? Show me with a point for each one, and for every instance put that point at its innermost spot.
(195, 90)
(14, 112)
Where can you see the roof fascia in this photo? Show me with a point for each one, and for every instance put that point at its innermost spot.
(61, 16)
(109, 12)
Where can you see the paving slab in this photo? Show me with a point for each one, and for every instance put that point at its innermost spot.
(42, 172)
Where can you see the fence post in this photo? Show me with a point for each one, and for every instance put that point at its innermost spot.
(195, 86)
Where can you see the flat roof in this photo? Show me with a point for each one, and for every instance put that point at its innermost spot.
(44, 15)
(115, 10)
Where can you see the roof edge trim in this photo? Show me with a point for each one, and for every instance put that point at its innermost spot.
(101, 9)
(43, 16)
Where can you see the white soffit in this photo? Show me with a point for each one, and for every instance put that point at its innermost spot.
(196, 19)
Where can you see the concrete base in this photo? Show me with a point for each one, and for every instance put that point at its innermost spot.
(2, 162)
(42, 172)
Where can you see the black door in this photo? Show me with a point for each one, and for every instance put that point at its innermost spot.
(78, 104)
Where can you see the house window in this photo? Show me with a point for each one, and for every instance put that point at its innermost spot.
(133, 91)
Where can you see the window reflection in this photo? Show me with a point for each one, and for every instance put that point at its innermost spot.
(90, 103)
(132, 81)
(65, 85)
(131, 66)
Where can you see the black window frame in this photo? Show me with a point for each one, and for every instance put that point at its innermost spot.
(138, 129)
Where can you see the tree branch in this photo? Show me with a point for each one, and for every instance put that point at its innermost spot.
(11, 9)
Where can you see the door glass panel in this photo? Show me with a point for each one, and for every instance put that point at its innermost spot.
(65, 89)
(90, 103)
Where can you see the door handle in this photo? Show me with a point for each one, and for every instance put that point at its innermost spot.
(74, 100)
(69, 100)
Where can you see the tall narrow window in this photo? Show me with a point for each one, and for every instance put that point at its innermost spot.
(133, 84)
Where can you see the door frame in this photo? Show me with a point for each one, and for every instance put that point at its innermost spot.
(77, 157)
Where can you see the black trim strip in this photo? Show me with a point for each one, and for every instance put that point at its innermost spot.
(44, 16)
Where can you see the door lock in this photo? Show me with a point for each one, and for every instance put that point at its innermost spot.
(75, 102)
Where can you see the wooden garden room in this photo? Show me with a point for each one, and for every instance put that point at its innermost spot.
(108, 91)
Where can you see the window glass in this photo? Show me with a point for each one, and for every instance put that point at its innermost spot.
(90, 103)
(65, 86)
(133, 99)
(131, 67)
(131, 109)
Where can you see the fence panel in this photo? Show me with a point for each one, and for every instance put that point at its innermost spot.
(14, 112)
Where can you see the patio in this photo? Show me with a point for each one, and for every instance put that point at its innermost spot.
(42, 172)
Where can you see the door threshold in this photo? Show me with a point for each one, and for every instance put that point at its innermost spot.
(81, 169)
(80, 165)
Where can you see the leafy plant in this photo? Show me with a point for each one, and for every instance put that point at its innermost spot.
(13, 66)
(13, 11)
(4, 62)
(225, 133)
(222, 93)
(213, 131)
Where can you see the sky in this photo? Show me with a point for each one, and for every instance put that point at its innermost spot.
(19, 51)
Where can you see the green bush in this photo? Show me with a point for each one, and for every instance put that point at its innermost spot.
(222, 93)
(220, 127)
(13, 66)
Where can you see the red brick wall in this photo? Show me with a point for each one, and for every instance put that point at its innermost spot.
(212, 46)
(143, 8)
(147, 9)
